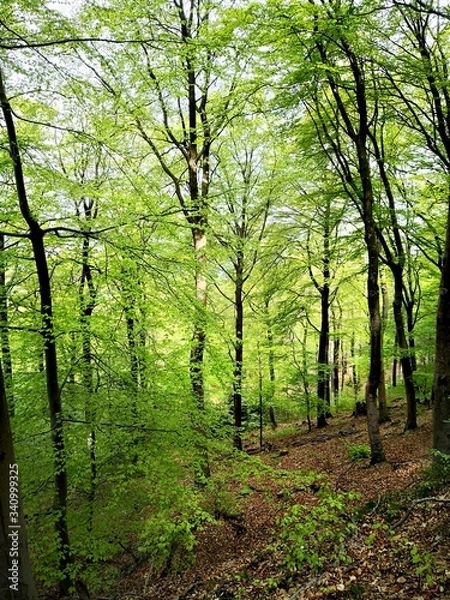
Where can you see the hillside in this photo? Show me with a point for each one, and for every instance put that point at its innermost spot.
(238, 558)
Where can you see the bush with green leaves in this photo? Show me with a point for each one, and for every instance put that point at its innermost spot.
(310, 536)
(169, 541)
(358, 452)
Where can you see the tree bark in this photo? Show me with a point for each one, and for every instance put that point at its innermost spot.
(238, 348)
(87, 295)
(382, 400)
(13, 534)
(441, 383)
(405, 361)
(36, 235)
(323, 383)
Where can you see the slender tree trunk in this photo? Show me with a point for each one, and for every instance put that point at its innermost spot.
(323, 383)
(36, 236)
(382, 400)
(260, 396)
(373, 296)
(344, 365)
(441, 384)
(395, 363)
(87, 295)
(305, 380)
(323, 360)
(355, 378)
(271, 353)
(14, 555)
(4, 334)
(407, 369)
(411, 339)
(238, 350)
(336, 362)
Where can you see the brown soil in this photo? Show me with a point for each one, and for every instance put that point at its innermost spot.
(233, 561)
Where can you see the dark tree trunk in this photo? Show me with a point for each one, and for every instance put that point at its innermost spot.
(36, 236)
(395, 363)
(260, 396)
(355, 378)
(336, 362)
(383, 414)
(357, 130)
(411, 340)
(14, 555)
(344, 366)
(441, 384)
(373, 382)
(323, 383)
(238, 349)
(87, 295)
(405, 360)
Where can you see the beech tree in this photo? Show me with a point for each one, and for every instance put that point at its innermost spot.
(36, 235)
(425, 37)
(248, 198)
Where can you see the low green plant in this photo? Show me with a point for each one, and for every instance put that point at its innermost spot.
(438, 473)
(310, 536)
(168, 536)
(358, 451)
(423, 562)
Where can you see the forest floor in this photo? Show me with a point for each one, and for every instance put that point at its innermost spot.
(397, 548)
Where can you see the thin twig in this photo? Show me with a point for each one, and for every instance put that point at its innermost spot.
(414, 504)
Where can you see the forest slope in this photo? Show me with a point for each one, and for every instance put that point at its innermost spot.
(241, 559)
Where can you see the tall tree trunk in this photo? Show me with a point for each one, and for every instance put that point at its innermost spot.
(357, 130)
(336, 363)
(373, 293)
(4, 334)
(271, 353)
(323, 383)
(36, 235)
(411, 340)
(441, 384)
(395, 363)
(383, 414)
(405, 360)
(238, 349)
(55, 409)
(16, 578)
(355, 378)
(87, 295)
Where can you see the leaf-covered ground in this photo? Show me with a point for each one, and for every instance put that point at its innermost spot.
(238, 559)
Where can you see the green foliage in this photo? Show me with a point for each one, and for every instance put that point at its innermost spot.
(423, 563)
(357, 451)
(168, 537)
(437, 473)
(310, 536)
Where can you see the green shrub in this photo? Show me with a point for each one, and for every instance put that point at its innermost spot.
(169, 539)
(358, 451)
(310, 536)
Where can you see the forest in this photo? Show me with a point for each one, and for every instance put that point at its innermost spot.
(224, 241)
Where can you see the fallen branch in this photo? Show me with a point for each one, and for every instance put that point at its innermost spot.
(414, 504)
